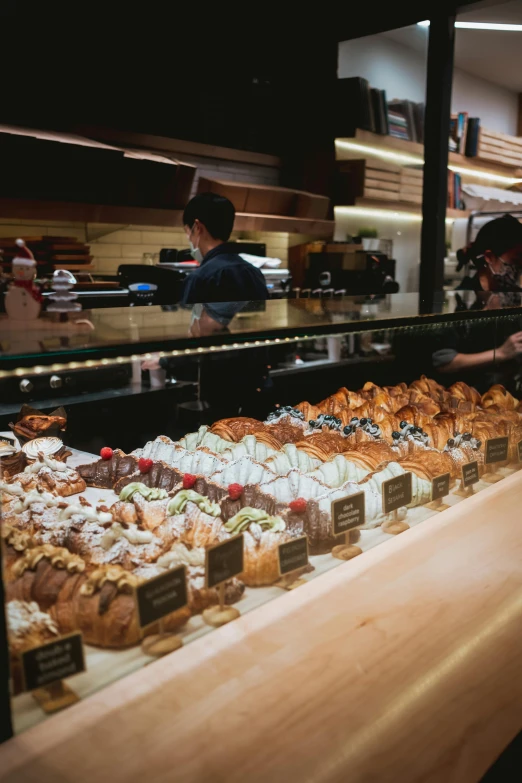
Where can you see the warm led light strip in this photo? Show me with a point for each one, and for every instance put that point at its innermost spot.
(24, 372)
(386, 214)
(399, 157)
(390, 214)
(480, 26)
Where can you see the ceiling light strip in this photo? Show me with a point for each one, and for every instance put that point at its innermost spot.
(500, 27)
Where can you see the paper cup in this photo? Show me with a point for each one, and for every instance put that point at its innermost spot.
(157, 379)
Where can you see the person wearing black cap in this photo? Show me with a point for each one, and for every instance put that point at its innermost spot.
(486, 353)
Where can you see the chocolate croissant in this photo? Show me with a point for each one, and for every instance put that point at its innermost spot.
(101, 604)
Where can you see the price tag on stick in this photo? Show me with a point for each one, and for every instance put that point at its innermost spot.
(44, 668)
(396, 493)
(348, 513)
(470, 476)
(439, 489)
(293, 555)
(223, 561)
(160, 596)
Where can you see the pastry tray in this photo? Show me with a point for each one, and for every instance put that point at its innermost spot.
(106, 666)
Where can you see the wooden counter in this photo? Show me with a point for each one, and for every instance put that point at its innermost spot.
(403, 664)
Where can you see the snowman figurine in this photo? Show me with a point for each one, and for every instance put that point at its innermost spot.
(23, 299)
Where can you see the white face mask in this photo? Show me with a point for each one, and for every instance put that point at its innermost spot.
(196, 253)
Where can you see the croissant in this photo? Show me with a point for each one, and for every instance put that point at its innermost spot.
(369, 410)
(322, 445)
(101, 604)
(462, 391)
(236, 428)
(397, 390)
(27, 627)
(413, 415)
(439, 432)
(370, 390)
(309, 411)
(499, 395)
(280, 434)
(428, 386)
(351, 399)
(104, 473)
(331, 405)
(428, 463)
(196, 528)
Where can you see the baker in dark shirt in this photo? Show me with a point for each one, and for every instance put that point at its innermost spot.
(221, 287)
(223, 276)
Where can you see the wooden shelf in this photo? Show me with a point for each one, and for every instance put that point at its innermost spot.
(400, 206)
(416, 150)
(75, 267)
(20, 209)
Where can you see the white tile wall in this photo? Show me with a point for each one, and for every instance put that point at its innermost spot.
(115, 245)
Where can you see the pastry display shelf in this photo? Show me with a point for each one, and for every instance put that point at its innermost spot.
(120, 335)
(403, 663)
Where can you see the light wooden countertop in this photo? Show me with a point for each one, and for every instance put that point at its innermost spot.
(403, 664)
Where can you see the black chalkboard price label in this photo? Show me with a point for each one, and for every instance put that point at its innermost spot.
(440, 486)
(347, 513)
(496, 450)
(470, 473)
(396, 493)
(52, 662)
(161, 596)
(293, 555)
(224, 561)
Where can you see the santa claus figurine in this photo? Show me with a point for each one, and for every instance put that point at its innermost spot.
(23, 300)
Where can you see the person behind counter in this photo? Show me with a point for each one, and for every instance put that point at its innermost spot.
(221, 287)
(482, 353)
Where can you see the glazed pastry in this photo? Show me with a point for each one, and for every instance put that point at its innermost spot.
(27, 627)
(429, 387)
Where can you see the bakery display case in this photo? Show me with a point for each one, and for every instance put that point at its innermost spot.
(113, 559)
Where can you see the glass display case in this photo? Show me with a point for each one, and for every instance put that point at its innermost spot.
(160, 479)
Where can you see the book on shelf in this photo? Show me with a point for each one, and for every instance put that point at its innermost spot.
(472, 137)
(354, 106)
(458, 131)
(454, 200)
(380, 113)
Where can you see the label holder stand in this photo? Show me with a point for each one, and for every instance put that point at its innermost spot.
(55, 697)
(221, 614)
